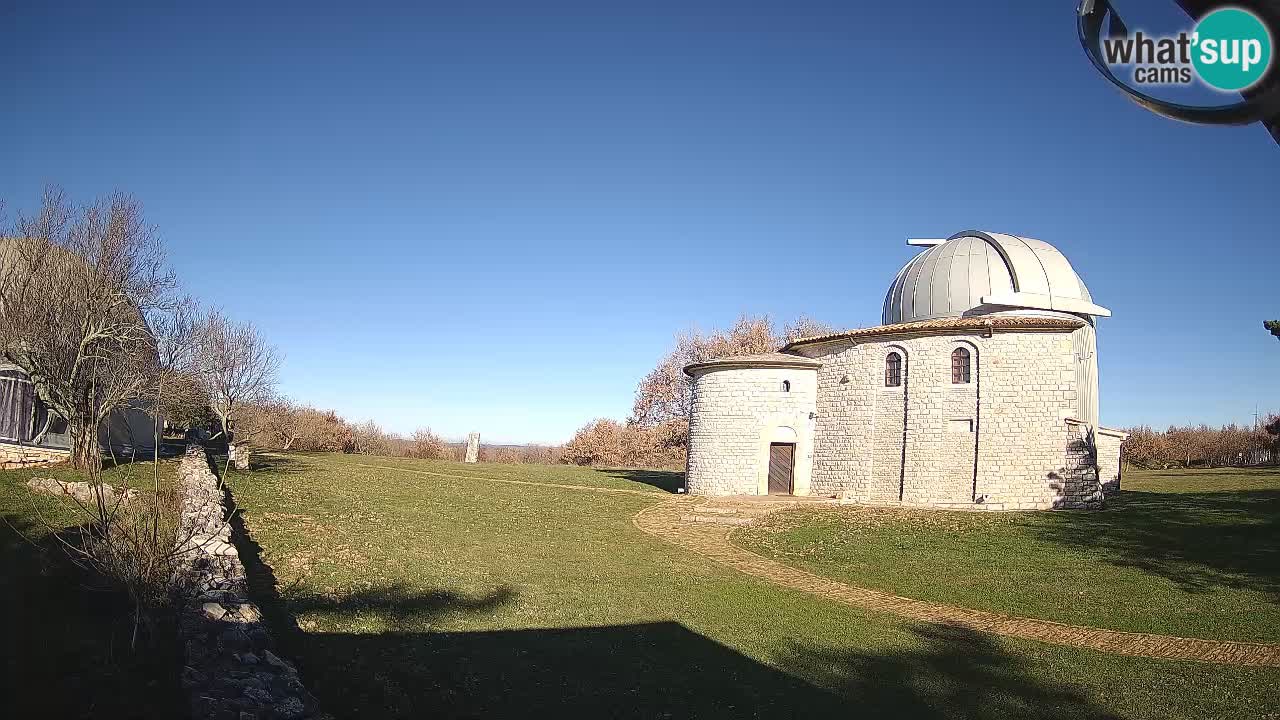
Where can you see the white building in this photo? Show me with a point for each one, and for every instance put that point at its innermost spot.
(979, 390)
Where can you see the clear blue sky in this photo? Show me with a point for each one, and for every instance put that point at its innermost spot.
(495, 216)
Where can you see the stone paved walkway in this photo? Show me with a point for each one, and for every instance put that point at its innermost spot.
(672, 521)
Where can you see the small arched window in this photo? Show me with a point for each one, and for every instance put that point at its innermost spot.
(786, 386)
(893, 370)
(960, 366)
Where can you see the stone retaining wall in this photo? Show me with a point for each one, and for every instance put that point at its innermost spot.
(231, 670)
(19, 456)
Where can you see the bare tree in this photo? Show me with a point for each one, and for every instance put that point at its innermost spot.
(129, 538)
(76, 286)
(236, 367)
(664, 394)
(175, 391)
(805, 327)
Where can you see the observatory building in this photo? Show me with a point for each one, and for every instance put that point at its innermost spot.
(978, 391)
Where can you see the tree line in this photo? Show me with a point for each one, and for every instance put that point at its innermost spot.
(1203, 445)
(282, 424)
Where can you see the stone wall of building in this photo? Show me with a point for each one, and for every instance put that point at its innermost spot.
(737, 412)
(231, 669)
(1075, 484)
(1110, 460)
(1028, 393)
(997, 442)
(17, 456)
(888, 433)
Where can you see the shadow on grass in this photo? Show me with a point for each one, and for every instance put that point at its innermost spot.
(1199, 540)
(955, 672)
(66, 637)
(275, 463)
(168, 451)
(649, 670)
(669, 480)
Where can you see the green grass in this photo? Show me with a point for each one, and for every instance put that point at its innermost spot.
(433, 595)
(1194, 553)
(66, 633)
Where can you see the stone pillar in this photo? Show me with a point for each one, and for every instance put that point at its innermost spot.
(473, 447)
(239, 456)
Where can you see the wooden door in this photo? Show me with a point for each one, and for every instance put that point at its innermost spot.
(782, 457)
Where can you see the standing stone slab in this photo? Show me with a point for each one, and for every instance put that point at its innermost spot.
(473, 447)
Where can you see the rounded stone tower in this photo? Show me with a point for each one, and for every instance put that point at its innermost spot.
(751, 428)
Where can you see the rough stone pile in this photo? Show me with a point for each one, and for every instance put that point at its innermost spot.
(231, 671)
(81, 491)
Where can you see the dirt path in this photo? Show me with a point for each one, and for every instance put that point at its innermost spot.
(672, 522)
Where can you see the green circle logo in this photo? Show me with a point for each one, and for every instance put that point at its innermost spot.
(1232, 49)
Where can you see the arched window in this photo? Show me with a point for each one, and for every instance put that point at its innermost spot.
(786, 386)
(960, 366)
(893, 370)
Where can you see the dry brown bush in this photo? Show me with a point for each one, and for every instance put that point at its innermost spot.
(284, 425)
(321, 430)
(425, 445)
(368, 438)
(609, 443)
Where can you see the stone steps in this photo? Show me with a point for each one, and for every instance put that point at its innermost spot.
(746, 510)
(716, 519)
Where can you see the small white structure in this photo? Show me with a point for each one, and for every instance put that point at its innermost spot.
(979, 390)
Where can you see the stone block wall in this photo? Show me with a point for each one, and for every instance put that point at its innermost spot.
(1110, 460)
(997, 442)
(1075, 484)
(1028, 393)
(231, 669)
(942, 420)
(18, 456)
(737, 412)
(888, 434)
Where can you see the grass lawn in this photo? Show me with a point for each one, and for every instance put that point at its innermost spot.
(66, 636)
(419, 593)
(1194, 553)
